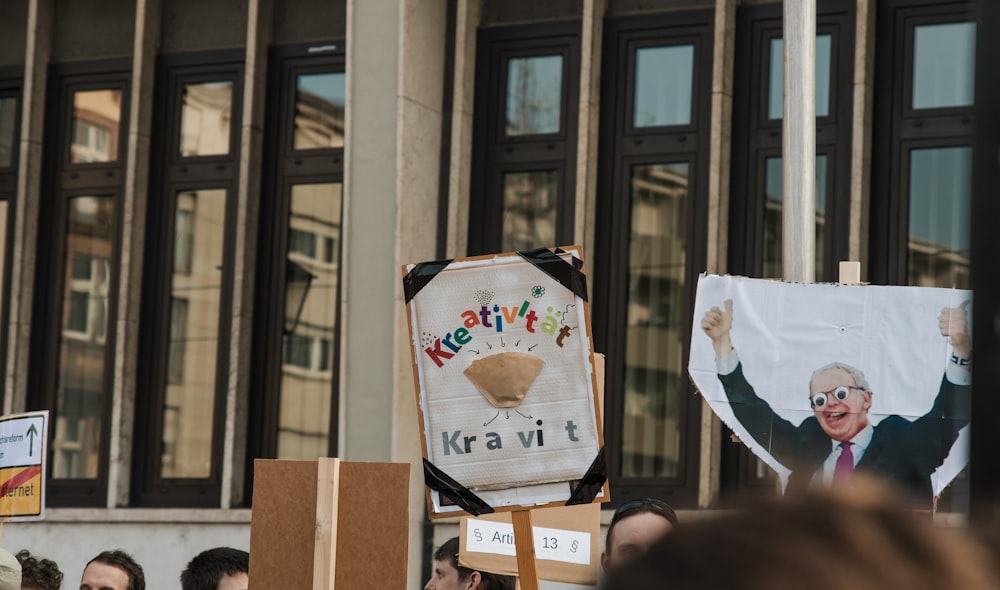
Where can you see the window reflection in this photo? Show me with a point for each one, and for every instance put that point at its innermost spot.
(534, 95)
(776, 88)
(940, 196)
(655, 323)
(664, 82)
(192, 347)
(8, 130)
(82, 351)
(772, 216)
(944, 64)
(206, 114)
(96, 126)
(319, 111)
(529, 209)
(310, 326)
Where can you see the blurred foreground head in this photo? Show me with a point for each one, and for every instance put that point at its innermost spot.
(821, 541)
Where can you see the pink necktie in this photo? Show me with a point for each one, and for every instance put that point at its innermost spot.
(845, 466)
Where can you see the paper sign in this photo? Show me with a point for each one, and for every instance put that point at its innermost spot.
(23, 452)
(504, 373)
(899, 393)
(566, 539)
(551, 544)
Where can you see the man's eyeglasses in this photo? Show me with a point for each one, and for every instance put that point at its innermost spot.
(644, 505)
(820, 399)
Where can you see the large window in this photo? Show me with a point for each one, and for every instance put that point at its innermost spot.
(524, 157)
(652, 203)
(922, 153)
(73, 345)
(293, 413)
(185, 328)
(922, 161)
(755, 244)
(756, 186)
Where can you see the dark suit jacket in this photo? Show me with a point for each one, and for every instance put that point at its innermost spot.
(902, 451)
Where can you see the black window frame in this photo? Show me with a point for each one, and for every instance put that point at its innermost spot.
(756, 138)
(170, 174)
(62, 181)
(621, 147)
(292, 167)
(495, 154)
(898, 129)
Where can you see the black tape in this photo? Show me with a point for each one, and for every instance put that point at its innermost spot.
(568, 274)
(592, 483)
(420, 275)
(442, 483)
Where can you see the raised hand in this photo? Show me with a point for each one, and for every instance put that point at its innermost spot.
(954, 323)
(716, 324)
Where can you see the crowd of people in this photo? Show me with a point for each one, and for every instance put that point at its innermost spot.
(221, 568)
(824, 539)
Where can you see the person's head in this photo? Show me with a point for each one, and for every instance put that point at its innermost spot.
(840, 397)
(634, 528)
(222, 568)
(10, 571)
(824, 540)
(38, 574)
(114, 570)
(448, 575)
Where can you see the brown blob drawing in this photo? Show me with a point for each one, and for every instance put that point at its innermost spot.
(505, 378)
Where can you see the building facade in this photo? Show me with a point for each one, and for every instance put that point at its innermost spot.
(205, 206)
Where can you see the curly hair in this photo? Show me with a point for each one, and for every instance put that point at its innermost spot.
(38, 574)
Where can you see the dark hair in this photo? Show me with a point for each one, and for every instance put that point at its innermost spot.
(823, 541)
(490, 581)
(632, 507)
(207, 568)
(123, 561)
(43, 574)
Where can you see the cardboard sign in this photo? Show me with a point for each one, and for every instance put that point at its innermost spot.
(299, 507)
(504, 374)
(567, 543)
(897, 373)
(23, 454)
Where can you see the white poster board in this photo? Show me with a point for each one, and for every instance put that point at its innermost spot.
(504, 372)
(783, 332)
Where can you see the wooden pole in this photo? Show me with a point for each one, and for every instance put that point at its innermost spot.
(798, 126)
(524, 544)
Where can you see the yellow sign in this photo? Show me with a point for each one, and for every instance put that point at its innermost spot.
(23, 439)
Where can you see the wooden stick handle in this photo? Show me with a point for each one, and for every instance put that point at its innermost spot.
(524, 543)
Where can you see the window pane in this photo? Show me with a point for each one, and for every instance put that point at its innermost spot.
(82, 351)
(8, 131)
(664, 82)
(534, 95)
(529, 209)
(655, 323)
(311, 305)
(189, 404)
(205, 118)
(96, 122)
(772, 216)
(944, 63)
(940, 193)
(319, 111)
(775, 99)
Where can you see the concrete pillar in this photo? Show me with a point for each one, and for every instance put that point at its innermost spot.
(136, 197)
(258, 38)
(395, 78)
(38, 48)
